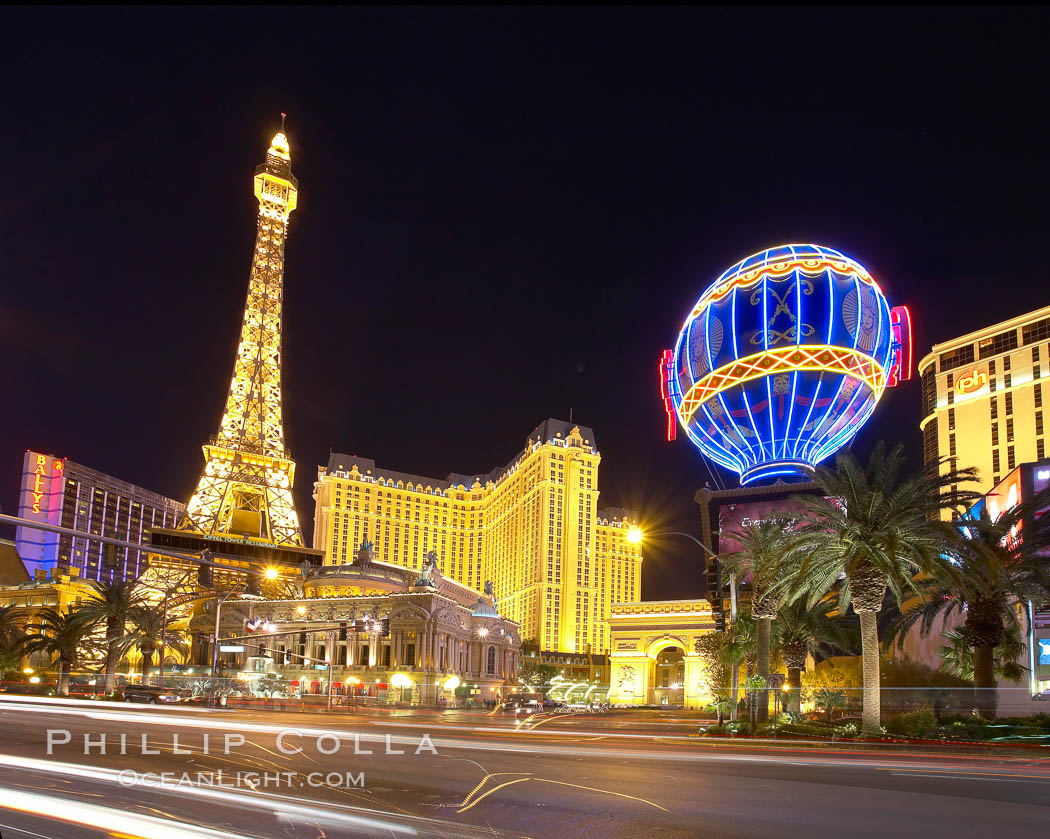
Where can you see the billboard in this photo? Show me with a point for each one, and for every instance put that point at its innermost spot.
(735, 517)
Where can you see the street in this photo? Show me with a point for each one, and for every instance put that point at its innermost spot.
(463, 774)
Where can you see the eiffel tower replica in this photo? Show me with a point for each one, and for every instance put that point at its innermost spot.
(244, 494)
(246, 485)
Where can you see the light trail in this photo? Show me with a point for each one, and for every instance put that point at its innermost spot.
(700, 752)
(105, 818)
(278, 805)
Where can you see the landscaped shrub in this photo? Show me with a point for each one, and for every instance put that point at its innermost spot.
(921, 723)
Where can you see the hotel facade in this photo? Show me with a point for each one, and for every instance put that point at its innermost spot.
(58, 492)
(532, 528)
(983, 396)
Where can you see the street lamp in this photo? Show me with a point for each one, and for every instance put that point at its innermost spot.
(271, 574)
(636, 536)
(400, 680)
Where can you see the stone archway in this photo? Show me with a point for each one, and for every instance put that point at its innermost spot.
(665, 676)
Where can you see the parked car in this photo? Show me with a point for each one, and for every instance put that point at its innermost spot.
(155, 694)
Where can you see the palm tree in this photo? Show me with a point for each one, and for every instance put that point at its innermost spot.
(958, 658)
(799, 631)
(830, 700)
(873, 530)
(738, 644)
(144, 634)
(60, 635)
(12, 640)
(761, 556)
(111, 603)
(988, 569)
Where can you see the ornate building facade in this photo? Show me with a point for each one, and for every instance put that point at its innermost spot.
(372, 621)
(533, 528)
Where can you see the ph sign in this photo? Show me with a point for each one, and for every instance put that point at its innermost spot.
(971, 382)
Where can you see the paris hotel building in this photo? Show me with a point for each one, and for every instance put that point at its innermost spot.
(533, 527)
(984, 394)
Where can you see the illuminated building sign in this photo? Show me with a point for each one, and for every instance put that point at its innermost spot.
(40, 478)
(900, 325)
(1044, 650)
(666, 383)
(971, 382)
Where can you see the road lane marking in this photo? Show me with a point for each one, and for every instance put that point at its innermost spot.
(970, 778)
(481, 798)
(606, 791)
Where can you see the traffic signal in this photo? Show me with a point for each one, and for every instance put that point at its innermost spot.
(302, 639)
(342, 630)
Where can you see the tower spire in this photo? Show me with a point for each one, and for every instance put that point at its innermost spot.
(246, 485)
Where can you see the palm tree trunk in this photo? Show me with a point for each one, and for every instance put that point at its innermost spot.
(869, 647)
(985, 697)
(63, 677)
(793, 700)
(762, 632)
(735, 694)
(147, 665)
(113, 632)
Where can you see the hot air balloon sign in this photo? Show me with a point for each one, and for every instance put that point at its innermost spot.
(782, 360)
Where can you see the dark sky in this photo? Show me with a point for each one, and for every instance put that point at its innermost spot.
(503, 215)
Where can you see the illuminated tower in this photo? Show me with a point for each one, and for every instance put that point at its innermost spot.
(246, 486)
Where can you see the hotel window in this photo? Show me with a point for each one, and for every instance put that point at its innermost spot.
(951, 419)
(1010, 460)
(1007, 380)
(1003, 342)
(1038, 331)
(994, 406)
(956, 358)
(951, 388)
(1038, 392)
(995, 434)
(1010, 431)
(929, 390)
(1038, 422)
(1040, 449)
(995, 464)
(1009, 403)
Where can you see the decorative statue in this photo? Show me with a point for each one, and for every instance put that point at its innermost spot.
(364, 553)
(490, 592)
(426, 576)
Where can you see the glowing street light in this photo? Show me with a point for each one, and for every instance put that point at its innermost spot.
(271, 574)
(635, 535)
(401, 680)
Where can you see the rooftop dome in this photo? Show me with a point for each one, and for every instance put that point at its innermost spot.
(483, 609)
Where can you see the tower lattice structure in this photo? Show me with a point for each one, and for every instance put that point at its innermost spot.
(246, 485)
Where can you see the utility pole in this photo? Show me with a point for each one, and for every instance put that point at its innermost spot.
(331, 660)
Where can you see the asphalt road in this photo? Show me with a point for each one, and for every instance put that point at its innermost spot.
(307, 776)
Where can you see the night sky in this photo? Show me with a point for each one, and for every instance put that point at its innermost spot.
(504, 215)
